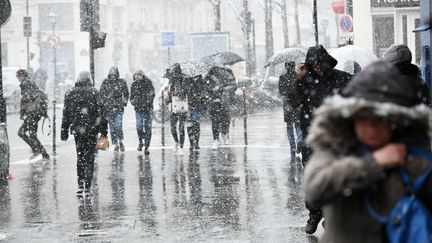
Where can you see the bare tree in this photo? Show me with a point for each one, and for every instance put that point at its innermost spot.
(268, 21)
(297, 22)
(284, 15)
(217, 14)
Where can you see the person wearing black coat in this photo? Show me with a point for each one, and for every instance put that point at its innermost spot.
(196, 100)
(220, 83)
(317, 81)
(142, 94)
(287, 90)
(31, 112)
(114, 95)
(82, 117)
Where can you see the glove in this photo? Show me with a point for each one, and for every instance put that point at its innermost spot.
(64, 135)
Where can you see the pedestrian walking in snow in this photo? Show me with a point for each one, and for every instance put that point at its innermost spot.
(401, 57)
(178, 95)
(362, 142)
(33, 106)
(196, 100)
(142, 94)
(320, 80)
(114, 95)
(287, 90)
(220, 82)
(82, 117)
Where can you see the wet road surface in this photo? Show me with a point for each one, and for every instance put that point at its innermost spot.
(237, 193)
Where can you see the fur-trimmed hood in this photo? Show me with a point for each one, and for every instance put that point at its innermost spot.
(332, 127)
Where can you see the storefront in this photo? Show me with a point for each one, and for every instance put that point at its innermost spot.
(393, 22)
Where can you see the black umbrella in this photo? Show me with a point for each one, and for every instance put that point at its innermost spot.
(223, 58)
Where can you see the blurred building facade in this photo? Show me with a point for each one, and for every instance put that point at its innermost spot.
(133, 35)
(379, 24)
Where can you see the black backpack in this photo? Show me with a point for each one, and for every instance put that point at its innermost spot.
(42, 100)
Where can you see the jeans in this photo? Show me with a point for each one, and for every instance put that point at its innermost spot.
(181, 118)
(144, 126)
(115, 122)
(193, 126)
(85, 148)
(28, 133)
(293, 126)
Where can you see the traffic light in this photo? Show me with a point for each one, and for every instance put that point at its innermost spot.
(98, 39)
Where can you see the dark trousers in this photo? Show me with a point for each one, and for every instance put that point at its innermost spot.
(181, 119)
(314, 213)
(85, 148)
(220, 118)
(28, 133)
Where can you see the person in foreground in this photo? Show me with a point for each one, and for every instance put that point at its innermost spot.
(360, 141)
(82, 117)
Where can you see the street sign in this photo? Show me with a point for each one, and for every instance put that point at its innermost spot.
(27, 24)
(54, 41)
(346, 23)
(168, 39)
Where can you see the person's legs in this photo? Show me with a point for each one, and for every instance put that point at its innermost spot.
(215, 117)
(80, 163)
(182, 119)
(119, 129)
(139, 127)
(148, 118)
(291, 139)
(85, 165)
(174, 119)
(22, 133)
(112, 128)
(28, 132)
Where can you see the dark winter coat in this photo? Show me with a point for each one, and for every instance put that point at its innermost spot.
(82, 114)
(114, 94)
(30, 98)
(339, 172)
(287, 90)
(312, 91)
(196, 92)
(220, 85)
(178, 85)
(142, 94)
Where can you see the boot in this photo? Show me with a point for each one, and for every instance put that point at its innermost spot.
(215, 144)
(122, 148)
(146, 150)
(312, 225)
(140, 146)
(116, 147)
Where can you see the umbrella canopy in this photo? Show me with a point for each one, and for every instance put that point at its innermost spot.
(223, 58)
(195, 67)
(352, 59)
(287, 55)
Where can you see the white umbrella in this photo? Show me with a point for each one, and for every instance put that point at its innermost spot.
(348, 56)
(287, 55)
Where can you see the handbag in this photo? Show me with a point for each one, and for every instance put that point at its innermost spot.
(179, 105)
(102, 143)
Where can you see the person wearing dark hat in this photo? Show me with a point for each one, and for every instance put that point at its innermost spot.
(401, 57)
(319, 80)
(82, 117)
(361, 142)
(141, 97)
(114, 95)
(32, 109)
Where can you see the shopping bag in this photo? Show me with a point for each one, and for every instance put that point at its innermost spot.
(179, 105)
(102, 143)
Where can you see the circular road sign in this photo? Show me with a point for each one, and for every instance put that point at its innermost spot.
(346, 23)
(54, 41)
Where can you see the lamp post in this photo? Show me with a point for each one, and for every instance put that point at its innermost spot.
(53, 20)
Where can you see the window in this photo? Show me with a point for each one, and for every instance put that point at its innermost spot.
(383, 29)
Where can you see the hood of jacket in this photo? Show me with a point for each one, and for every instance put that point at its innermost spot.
(379, 91)
(84, 80)
(114, 71)
(318, 54)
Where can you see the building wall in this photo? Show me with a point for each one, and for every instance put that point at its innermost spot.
(362, 22)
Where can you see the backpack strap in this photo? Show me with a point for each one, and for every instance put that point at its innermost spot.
(380, 218)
